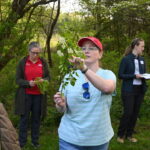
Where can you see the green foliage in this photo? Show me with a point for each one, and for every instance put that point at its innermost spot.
(65, 52)
(111, 61)
(69, 27)
(142, 135)
(145, 107)
(49, 138)
(144, 113)
(8, 89)
(114, 22)
(53, 117)
(43, 86)
(7, 84)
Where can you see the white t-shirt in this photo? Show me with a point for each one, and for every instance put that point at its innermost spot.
(137, 71)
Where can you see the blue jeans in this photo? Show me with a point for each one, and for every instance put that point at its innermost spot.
(63, 145)
(33, 106)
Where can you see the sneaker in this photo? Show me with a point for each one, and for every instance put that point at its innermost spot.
(131, 139)
(37, 145)
(120, 140)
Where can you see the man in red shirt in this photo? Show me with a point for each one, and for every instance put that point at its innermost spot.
(29, 99)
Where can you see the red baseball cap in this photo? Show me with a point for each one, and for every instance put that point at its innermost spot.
(92, 39)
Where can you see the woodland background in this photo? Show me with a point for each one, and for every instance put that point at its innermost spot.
(114, 22)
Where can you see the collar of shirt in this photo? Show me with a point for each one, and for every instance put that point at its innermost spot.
(29, 61)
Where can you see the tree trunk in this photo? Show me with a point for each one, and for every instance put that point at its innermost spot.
(50, 32)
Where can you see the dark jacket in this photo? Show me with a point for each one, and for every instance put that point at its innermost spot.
(8, 134)
(126, 72)
(23, 83)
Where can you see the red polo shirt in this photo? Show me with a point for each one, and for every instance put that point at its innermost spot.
(33, 70)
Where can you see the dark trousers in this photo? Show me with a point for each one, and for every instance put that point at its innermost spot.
(33, 109)
(131, 104)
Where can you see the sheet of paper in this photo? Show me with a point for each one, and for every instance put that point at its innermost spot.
(146, 75)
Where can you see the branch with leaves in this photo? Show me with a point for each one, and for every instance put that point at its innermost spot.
(43, 86)
(65, 52)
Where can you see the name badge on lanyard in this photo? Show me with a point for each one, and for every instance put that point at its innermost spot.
(141, 62)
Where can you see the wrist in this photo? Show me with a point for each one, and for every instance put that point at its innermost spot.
(84, 70)
(61, 108)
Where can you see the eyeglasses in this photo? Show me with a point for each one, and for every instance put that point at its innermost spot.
(35, 53)
(86, 94)
(89, 48)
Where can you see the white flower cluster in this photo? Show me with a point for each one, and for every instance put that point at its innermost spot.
(122, 4)
(62, 40)
(59, 53)
(64, 46)
(70, 50)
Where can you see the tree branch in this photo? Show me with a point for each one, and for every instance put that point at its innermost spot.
(42, 2)
(50, 32)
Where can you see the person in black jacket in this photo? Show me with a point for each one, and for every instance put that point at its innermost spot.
(29, 99)
(133, 88)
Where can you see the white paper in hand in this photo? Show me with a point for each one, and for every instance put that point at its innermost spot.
(146, 75)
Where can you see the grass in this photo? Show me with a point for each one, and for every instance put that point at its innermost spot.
(143, 136)
(49, 138)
